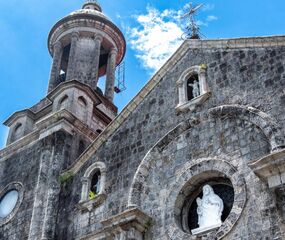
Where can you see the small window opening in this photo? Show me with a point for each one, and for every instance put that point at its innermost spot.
(99, 131)
(81, 147)
(193, 89)
(17, 132)
(96, 183)
(63, 102)
(82, 101)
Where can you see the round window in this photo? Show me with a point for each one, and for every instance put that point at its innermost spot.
(8, 203)
(222, 187)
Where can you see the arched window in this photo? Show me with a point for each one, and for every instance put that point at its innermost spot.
(93, 182)
(82, 110)
(82, 101)
(17, 133)
(192, 88)
(63, 102)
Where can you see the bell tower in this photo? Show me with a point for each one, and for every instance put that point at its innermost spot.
(86, 45)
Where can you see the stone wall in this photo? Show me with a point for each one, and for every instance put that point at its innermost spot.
(22, 167)
(245, 77)
(37, 168)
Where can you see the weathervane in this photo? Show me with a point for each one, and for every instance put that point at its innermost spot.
(192, 28)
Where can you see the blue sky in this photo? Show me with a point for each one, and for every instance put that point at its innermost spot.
(24, 26)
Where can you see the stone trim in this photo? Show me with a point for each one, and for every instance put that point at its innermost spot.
(271, 168)
(269, 126)
(130, 224)
(236, 43)
(89, 205)
(262, 42)
(191, 105)
(62, 119)
(12, 186)
(19, 145)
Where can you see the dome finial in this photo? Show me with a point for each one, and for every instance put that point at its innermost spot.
(92, 4)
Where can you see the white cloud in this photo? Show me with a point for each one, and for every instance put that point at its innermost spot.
(208, 7)
(159, 33)
(211, 18)
(206, 22)
(157, 36)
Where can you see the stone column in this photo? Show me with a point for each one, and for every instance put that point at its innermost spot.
(202, 81)
(95, 66)
(71, 59)
(110, 78)
(84, 190)
(55, 70)
(182, 86)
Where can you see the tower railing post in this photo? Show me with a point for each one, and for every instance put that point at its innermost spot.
(55, 70)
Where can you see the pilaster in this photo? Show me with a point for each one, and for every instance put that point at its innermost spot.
(71, 59)
(95, 70)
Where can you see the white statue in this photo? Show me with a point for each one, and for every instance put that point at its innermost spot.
(210, 209)
(195, 87)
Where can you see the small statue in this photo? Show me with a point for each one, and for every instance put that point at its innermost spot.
(195, 87)
(96, 187)
(210, 208)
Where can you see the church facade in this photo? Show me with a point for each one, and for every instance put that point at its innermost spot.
(210, 120)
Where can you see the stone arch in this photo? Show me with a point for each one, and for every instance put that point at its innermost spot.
(269, 126)
(143, 169)
(87, 177)
(193, 173)
(262, 120)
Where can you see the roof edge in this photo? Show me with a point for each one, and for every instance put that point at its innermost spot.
(243, 42)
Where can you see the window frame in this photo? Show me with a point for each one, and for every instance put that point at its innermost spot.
(85, 201)
(184, 104)
(17, 186)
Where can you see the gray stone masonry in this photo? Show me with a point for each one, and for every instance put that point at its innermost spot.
(247, 77)
(157, 155)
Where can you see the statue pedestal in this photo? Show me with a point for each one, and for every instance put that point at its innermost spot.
(203, 230)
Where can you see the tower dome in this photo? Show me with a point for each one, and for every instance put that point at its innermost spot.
(86, 45)
(92, 4)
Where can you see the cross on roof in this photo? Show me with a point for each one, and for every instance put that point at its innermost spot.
(192, 28)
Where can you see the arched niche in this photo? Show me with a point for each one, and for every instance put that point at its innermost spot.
(92, 173)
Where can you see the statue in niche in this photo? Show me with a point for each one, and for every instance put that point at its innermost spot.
(195, 88)
(96, 187)
(210, 208)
